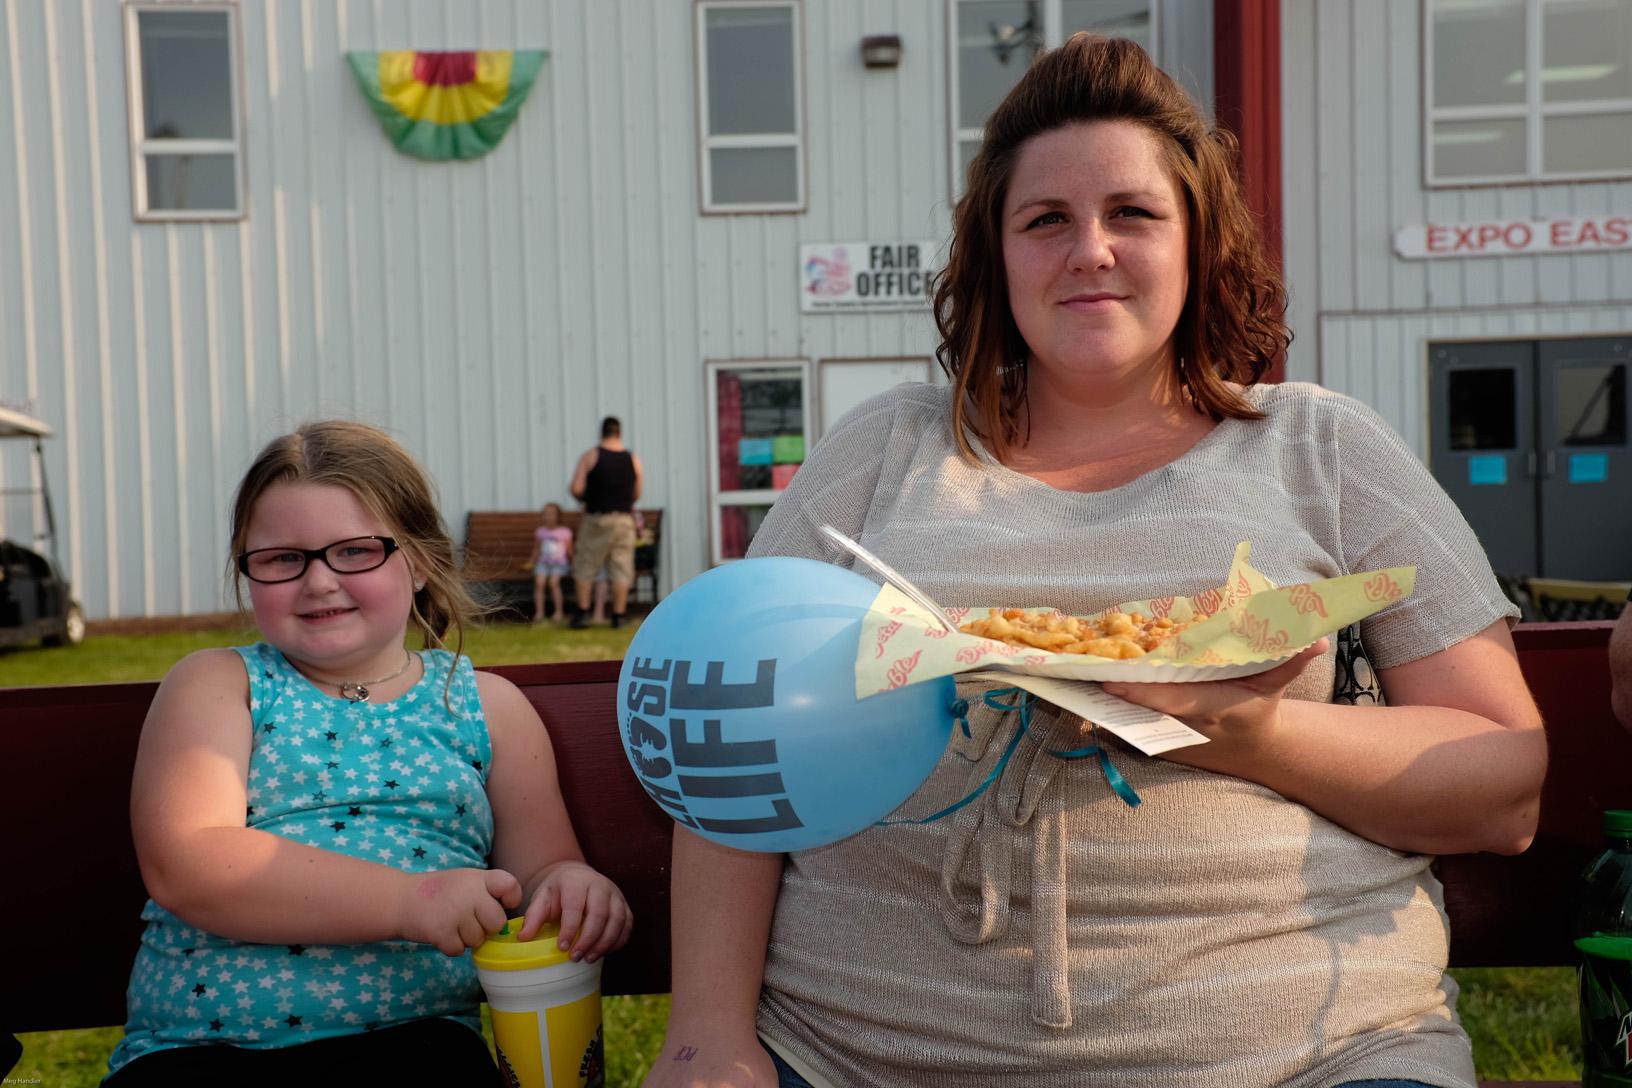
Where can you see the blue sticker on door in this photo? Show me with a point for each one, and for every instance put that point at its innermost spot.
(1589, 468)
(1487, 469)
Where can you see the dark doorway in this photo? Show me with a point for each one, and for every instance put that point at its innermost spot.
(1530, 438)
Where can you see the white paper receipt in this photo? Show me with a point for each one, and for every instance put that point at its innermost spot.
(1150, 731)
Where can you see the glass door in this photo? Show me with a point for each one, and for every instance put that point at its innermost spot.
(1586, 466)
(1530, 438)
(1481, 445)
(759, 417)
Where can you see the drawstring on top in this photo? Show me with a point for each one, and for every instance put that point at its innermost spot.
(973, 836)
(1023, 701)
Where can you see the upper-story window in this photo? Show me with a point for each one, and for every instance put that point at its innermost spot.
(994, 40)
(750, 107)
(1527, 90)
(186, 142)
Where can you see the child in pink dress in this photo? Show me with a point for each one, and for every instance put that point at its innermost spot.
(551, 558)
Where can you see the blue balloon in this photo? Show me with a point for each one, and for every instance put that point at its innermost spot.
(738, 707)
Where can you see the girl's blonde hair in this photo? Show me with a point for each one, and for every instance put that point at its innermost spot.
(393, 487)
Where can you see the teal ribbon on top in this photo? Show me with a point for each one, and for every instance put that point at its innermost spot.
(1018, 699)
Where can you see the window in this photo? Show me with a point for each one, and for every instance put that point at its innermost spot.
(750, 106)
(844, 383)
(1482, 407)
(759, 416)
(1591, 405)
(185, 142)
(1527, 90)
(994, 40)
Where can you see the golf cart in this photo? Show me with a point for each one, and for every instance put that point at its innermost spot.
(36, 602)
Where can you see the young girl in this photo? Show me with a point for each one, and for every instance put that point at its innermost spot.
(326, 820)
(551, 558)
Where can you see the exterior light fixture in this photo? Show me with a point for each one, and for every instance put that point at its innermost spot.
(881, 50)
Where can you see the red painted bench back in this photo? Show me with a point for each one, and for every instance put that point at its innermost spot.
(1514, 911)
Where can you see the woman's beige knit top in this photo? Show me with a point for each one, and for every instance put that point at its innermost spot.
(1050, 935)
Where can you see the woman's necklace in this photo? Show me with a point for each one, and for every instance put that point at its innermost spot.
(356, 691)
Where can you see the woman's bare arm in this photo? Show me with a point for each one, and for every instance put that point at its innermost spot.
(1453, 764)
(723, 900)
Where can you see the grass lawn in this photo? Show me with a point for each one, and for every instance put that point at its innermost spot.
(1523, 1021)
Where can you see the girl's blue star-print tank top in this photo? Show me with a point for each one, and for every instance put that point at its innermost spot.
(401, 783)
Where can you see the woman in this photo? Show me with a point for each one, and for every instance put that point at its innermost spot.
(1267, 915)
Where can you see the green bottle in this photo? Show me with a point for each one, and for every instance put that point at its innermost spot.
(1603, 927)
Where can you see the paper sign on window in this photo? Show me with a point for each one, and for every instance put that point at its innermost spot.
(754, 451)
(788, 449)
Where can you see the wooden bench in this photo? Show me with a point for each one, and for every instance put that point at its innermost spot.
(75, 892)
(499, 542)
(1558, 599)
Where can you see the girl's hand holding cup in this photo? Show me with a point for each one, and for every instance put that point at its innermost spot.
(593, 915)
(456, 909)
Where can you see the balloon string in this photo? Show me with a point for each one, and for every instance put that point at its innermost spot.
(1022, 701)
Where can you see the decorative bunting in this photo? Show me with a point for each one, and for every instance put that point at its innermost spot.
(442, 106)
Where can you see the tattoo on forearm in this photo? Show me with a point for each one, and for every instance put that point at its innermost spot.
(685, 1054)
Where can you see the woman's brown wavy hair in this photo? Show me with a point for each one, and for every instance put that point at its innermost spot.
(388, 481)
(1233, 323)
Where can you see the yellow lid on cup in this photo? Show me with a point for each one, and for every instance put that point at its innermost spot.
(504, 951)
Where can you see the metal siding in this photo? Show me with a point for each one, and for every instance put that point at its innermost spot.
(1364, 366)
(1185, 46)
(31, 241)
(1334, 94)
(1555, 274)
(16, 459)
(1517, 274)
(1371, 155)
(19, 365)
(1620, 264)
(679, 441)
(1592, 269)
(119, 473)
(1480, 275)
(1360, 142)
(487, 313)
(1410, 416)
(1406, 203)
(1380, 358)
(74, 246)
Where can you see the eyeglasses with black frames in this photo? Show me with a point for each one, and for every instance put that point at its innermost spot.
(353, 555)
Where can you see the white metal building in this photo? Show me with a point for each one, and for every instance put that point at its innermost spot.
(205, 238)
(1492, 140)
(488, 312)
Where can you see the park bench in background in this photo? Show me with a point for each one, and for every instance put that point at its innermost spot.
(76, 892)
(1555, 600)
(498, 542)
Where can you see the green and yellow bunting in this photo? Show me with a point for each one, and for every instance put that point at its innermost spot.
(442, 106)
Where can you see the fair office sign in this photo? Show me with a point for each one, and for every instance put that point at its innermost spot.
(1515, 237)
(836, 276)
